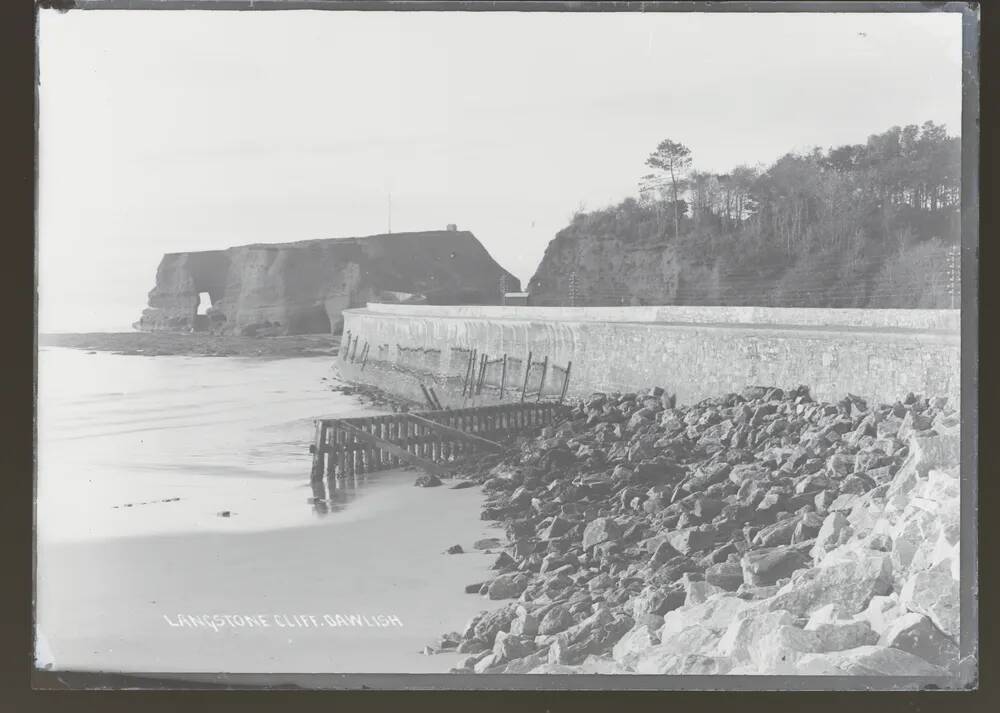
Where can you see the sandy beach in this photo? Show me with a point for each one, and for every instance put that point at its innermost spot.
(131, 542)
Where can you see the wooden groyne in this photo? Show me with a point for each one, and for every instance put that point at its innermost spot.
(431, 440)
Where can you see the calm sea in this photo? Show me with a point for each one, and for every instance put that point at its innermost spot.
(138, 459)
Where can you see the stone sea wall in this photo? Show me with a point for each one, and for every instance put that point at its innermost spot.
(692, 352)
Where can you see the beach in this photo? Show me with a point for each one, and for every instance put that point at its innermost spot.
(173, 494)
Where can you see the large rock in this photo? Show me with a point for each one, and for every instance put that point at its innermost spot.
(508, 586)
(485, 626)
(302, 287)
(743, 632)
(636, 642)
(695, 639)
(935, 593)
(556, 619)
(848, 583)
(916, 634)
(716, 613)
(726, 575)
(525, 622)
(507, 647)
(657, 600)
(602, 529)
(832, 533)
(867, 661)
(691, 539)
(766, 566)
(778, 650)
(881, 612)
(666, 663)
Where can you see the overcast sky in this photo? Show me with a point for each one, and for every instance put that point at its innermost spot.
(173, 131)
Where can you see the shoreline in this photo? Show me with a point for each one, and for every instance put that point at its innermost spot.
(195, 344)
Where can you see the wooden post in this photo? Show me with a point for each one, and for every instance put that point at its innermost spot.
(437, 402)
(541, 384)
(341, 352)
(364, 356)
(503, 376)
(427, 395)
(319, 446)
(468, 368)
(354, 350)
(562, 394)
(482, 373)
(527, 370)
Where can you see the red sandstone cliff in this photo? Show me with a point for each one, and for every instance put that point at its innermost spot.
(302, 287)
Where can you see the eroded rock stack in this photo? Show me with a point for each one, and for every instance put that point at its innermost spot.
(756, 533)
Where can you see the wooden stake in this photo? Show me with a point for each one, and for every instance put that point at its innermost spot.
(319, 446)
(527, 370)
(541, 384)
(562, 394)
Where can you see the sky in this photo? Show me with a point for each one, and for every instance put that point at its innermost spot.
(197, 130)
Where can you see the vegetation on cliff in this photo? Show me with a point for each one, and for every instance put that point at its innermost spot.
(864, 225)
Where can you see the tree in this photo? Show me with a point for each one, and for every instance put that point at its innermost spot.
(672, 160)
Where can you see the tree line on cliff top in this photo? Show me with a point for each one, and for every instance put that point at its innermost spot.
(873, 224)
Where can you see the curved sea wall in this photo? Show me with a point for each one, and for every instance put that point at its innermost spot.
(692, 352)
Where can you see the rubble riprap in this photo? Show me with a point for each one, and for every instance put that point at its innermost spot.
(754, 533)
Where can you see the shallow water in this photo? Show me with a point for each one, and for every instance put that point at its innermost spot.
(137, 458)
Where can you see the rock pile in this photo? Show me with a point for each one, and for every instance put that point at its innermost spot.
(756, 533)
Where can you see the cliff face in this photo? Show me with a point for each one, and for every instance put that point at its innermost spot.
(302, 287)
(608, 269)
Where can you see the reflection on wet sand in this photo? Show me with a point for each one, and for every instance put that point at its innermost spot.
(336, 491)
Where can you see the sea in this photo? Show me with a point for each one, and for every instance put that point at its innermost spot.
(176, 530)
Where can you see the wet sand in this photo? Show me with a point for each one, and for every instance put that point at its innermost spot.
(105, 601)
(137, 458)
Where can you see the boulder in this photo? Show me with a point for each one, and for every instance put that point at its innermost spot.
(698, 591)
(725, 575)
(507, 647)
(940, 451)
(848, 583)
(916, 634)
(508, 586)
(778, 650)
(554, 668)
(716, 613)
(840, 635)
(663, 553)
(636, 642)
(744, 631)
(657, 600)
(683, 665)
(934, 593)
(525, 622)
(556, 619)
(527, 663)
(602, 529)
(867, 661)
(780, 533)
(691, 539)
(486, 626)
(766, 566)
(881, 612)
(834, 532)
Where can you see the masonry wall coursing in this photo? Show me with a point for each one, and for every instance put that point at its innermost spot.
(693, 352)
